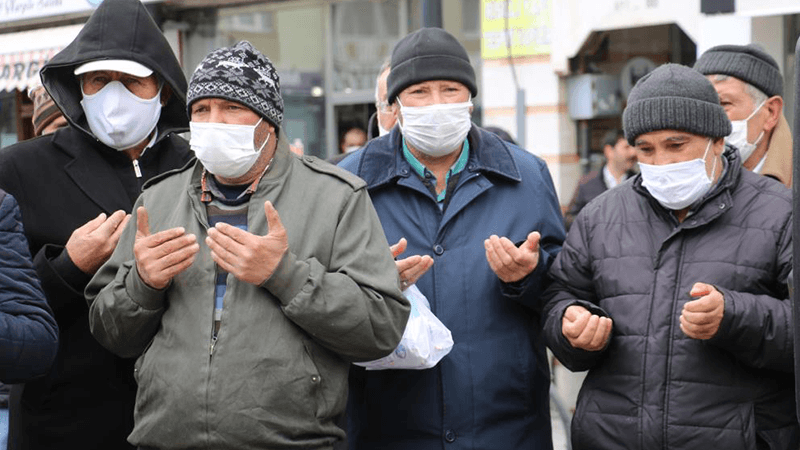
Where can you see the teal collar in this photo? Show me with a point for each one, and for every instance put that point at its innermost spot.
(420, 169)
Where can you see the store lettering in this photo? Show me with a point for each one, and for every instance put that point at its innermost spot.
(20, 71)
(23, 7)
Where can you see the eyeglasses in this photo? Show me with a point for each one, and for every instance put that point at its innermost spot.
(383, 107)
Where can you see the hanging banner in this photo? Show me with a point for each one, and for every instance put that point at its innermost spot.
(13, 10)
(23, 54)
(526, 32)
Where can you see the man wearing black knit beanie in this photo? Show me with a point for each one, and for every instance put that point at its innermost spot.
(750, 87)
(481, 221)
(671, 288)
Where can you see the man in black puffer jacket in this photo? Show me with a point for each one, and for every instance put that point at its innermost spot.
(671, 288)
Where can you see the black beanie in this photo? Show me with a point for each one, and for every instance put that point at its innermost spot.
(674, 97)
(429, 54)
(749, 63)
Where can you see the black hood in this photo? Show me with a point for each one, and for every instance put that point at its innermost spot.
(118, 29)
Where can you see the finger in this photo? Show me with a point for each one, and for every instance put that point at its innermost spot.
(162, 237)
(93, 224)
(178, 268)
(520, 257)
(398, 248)
(704, 304)
(584, 339)
(222, 256)
(171, 246)
(273, 219)
(573, 312)
(120, 228)
(697, 318)
(142, 222)
(500, 256)
(415, 272)
(177, 257)
(532, 242)
(236, 234)
(578, 325)
(601, 333)
(111, 224)
(405, 264)
(701, 289)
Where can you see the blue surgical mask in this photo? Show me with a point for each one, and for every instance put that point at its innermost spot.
(677, 186)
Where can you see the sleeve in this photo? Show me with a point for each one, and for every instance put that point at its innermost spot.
(551, 227)
(572, 285)
(28, 331)
(757, 329)
(354, 307)
(124, 312)
(575, 205)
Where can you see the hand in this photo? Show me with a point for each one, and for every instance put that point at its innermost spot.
(161, 256)
(92, 243)
(250, 258)
(701, 318)
(509, 262)
(411, 268)
(585, 330)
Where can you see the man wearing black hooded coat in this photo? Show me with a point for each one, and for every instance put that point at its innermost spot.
(76, 188)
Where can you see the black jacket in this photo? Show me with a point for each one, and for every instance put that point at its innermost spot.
(653, 387)
(61, 182)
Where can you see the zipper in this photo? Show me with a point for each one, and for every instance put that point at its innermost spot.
(669, 347)
(136, 168)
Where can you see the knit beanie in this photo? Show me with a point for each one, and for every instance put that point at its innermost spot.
(45, 110)
(240, 74)
(429, 54)
(749, 63)
(674, 97)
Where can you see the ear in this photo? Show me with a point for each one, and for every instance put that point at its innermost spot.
(166, 93)
(774, 107)
(608, 151)
(718, 146)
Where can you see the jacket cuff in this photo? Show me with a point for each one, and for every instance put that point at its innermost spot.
(288, 278)
(728, 316)
(62, 265)
(140, 293)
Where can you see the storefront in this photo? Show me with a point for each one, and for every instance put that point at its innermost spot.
(327, 53)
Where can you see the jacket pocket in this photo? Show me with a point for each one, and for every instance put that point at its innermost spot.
(137, 366)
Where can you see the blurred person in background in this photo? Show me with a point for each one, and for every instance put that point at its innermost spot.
(750, 87)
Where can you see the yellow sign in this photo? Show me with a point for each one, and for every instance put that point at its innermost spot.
(528, 27)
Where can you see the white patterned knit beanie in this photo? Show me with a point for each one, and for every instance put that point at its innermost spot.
(241, 74)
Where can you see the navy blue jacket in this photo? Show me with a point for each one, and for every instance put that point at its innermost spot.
(28, 331)
(491, 391)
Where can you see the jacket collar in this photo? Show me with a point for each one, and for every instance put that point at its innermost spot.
(382, 162)
(779, 155)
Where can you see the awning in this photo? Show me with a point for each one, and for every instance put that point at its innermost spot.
(23, 54)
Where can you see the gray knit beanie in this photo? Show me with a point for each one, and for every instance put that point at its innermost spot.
(241, 74)
(674, 97)
(429, 54)
(749, 63)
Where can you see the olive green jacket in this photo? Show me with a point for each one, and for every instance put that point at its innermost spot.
(277, 374)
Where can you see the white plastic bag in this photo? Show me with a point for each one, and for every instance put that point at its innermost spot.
(425, 341)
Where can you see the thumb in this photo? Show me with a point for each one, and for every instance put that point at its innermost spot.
(399, 248)
(532, 242)
(142, 222)
(273, 219)
(700, 289)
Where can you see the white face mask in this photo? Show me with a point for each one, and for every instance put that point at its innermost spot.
(738, 136)
(224, 149)
(678, 185)
(436, 130)
(118, 118)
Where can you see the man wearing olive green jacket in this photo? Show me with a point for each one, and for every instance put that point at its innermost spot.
(248, 281)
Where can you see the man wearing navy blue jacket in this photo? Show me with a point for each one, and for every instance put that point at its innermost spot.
(482, 222)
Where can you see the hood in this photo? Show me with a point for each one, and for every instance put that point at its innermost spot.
(779, 154)
(118, 29)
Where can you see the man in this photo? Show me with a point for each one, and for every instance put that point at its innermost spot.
(28, 331)
(620, 159)
(670, 289)
(750, 88)
(47, 118)
(123, 93)
(352, 139)
(248, 281)
(484, 214)
(385, 117)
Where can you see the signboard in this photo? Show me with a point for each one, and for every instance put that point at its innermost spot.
(23, 54)
(14, 10)
(527, 24)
